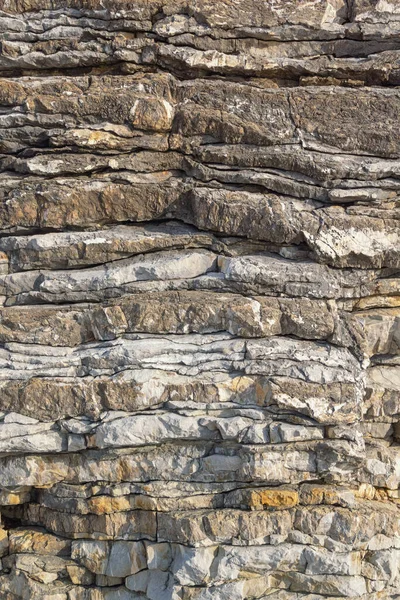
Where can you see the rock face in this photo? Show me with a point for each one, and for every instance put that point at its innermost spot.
(199, 300)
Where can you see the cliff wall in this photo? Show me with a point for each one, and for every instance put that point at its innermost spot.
(200, 299)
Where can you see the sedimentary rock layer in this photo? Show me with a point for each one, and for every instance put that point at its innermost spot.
(199, 300)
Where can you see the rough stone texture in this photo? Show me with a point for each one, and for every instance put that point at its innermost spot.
(199, 300)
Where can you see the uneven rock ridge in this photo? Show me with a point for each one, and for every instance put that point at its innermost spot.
(200, 299)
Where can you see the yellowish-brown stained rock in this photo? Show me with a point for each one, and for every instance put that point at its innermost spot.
(199, 300)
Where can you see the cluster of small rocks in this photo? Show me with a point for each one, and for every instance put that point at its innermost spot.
(199, 300)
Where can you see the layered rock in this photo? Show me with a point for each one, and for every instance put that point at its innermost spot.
(200, 300)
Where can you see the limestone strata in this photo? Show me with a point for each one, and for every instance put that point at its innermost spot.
(199, 300)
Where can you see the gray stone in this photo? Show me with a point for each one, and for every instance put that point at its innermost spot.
(199, 300)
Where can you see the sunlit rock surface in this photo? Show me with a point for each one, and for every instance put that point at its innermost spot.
(199, 300)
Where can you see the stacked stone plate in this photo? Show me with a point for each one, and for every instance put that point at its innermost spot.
(200, 299)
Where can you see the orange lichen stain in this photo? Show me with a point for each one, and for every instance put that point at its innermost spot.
(102, 505)
(13, 499)
(274, 498)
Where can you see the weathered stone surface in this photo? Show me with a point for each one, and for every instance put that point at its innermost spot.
(168, 312)
(75, 249)
(199, 300)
